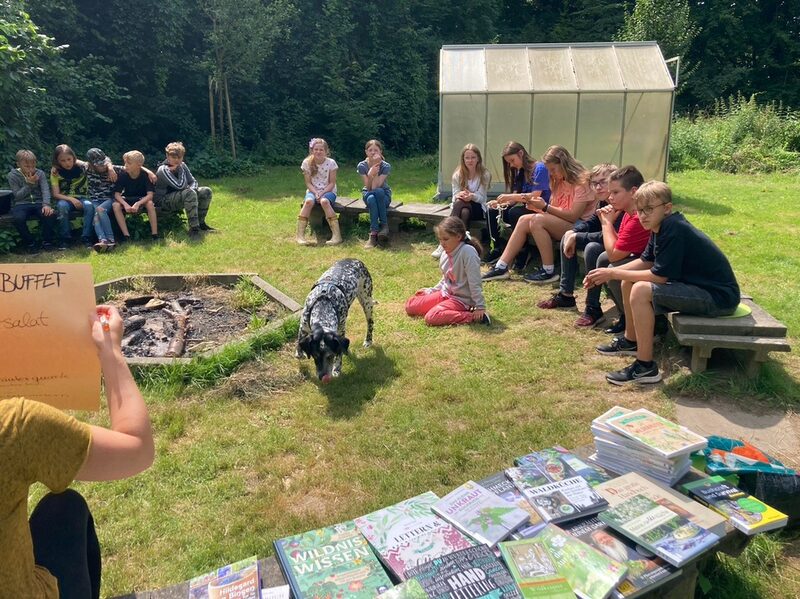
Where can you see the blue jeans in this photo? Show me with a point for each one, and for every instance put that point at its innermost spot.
(101, 221)
(64, 208)
(20, 214)
(569, 268)
(330, 196)
(377, 201)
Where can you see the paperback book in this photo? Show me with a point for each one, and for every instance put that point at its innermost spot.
(599, 426)
(500, 485)
(239, 580)
(659, 529)
(410, 589)
(629, 485)
(557, 556)
(745, 512)
(466, 574)
(556, 501)
(658, 434)
(408, 534)
(560, 464)
(645, 570)
(481, 514)
(330, 562)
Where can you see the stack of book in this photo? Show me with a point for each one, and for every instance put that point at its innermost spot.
(640, 441)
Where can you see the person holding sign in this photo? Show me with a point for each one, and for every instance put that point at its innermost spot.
(57, 554)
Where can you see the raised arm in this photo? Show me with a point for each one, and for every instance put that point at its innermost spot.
(126, 448)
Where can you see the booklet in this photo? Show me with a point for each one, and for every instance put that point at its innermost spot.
(239, 580)
(657, 434)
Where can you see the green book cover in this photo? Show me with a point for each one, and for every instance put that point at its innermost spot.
(534, 571)
(335, 561)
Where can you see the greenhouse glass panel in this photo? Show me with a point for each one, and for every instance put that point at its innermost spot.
(463, 121)
(647, 120)
(599, 128)
(596, 68)
(509, 119)
(554, 122)
(507, 69)
(462, 71)
(643, 68)
(551, 69)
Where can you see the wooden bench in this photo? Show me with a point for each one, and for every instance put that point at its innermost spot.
(757, 333)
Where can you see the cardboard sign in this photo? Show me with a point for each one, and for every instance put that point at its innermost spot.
(45, 334)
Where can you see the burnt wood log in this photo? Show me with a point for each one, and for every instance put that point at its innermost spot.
(181, 317)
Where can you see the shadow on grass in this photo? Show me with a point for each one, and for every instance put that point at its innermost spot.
(371, 370)
(692, 205)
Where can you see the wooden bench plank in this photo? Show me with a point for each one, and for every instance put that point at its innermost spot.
(757, 324)
(734, 342)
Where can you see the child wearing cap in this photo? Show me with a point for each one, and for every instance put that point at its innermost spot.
(101, 176)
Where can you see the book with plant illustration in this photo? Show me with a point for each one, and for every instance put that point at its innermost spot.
(481, 514)
(408, 534)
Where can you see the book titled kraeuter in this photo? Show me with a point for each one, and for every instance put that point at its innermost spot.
(479, 513)
(469, 573)
(559, 500)
(659, 529)
(408, 534)
(335, 561)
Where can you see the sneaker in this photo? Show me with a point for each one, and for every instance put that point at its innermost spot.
(589, 317)
(372, 241)
(494, 256)
(616, 328)
(557, 301)
(156, 236)
(110, 245)
(203, 227)
(63, 246)
(495, 274)
(100, 246)
(541, 277)
(437, 253)
(635, 373)
(619, 346)
(521, 261)
(194, 232)
(383, 234)
(486, 320)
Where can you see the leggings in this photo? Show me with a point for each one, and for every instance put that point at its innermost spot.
(437, 309)
(65, 542)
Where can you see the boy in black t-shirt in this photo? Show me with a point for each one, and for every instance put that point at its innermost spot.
(680, 270)
(134, 191)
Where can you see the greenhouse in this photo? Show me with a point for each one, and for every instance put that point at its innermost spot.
(604, 102)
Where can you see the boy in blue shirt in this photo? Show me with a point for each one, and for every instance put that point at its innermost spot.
(680, 270)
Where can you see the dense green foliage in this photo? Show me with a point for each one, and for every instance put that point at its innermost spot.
(738, 136)
(142, 74)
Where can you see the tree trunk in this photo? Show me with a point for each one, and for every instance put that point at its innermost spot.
(230, 118)
(221, 114)
(211, 112)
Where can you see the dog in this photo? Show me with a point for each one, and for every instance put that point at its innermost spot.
(322, 324)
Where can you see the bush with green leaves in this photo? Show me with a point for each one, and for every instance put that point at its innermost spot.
(8, 240)
(738, 136)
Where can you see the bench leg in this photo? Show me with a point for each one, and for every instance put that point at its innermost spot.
(394, 225)
(700, 356)
(753, 363)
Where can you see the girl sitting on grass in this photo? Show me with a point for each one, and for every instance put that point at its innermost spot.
(319, 170)
(458, 297)
(471, 181)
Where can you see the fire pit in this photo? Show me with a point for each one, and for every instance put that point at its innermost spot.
(174, 318)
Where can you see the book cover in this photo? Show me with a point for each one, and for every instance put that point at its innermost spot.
(408, 533)
(659, 529)
(745, 512)
(589, 573)
(239, 580)
(645, 571)
(556, 501)
(559, 464)
(624, 487)
(499, 484)
(599, 425)
(410, 589)
(656, 433)
(468, 573)
(330, 562)
(534, 571)
(481, 514)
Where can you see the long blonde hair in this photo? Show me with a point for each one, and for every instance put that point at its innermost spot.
(312, 164)
(462, 172)
(574, 172)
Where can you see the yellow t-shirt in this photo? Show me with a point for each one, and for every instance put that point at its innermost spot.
(38, 443)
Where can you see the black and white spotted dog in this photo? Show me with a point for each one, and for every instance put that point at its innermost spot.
(322, 324)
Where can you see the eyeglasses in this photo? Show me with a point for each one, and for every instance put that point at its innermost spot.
(648, 210)
(601, 183)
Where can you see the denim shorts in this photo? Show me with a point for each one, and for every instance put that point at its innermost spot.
(686, 299)
(330, 196)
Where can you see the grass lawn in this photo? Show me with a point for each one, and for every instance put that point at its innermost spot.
(266, 452)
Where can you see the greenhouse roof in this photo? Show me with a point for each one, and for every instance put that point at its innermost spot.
(526, 68)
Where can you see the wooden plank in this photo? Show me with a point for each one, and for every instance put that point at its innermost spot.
(734, 342)
(757, 324)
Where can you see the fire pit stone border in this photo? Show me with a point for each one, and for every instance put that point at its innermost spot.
(177, 282)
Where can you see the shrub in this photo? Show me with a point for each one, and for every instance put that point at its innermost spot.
(738, 136)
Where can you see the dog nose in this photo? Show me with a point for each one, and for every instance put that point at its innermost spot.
(326, 378)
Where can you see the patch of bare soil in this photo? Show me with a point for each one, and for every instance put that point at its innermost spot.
(184, 323)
